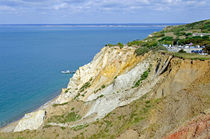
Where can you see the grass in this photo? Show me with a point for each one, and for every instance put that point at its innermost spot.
(114, 125)
(141, 50)
(143, 77)
(190, 56)
(55, 105)
(79, 127)
(70, 117)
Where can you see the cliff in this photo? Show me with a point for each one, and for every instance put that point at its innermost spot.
(120, 94)
(128, 92)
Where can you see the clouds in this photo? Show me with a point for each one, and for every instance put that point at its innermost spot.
(104, 7)
(95, 4)
(6, 8)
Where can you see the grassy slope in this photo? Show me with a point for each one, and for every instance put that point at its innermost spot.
(181, 34)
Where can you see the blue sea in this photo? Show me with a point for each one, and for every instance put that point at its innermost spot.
(32, 57)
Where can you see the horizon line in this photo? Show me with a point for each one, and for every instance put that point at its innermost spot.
(83, 23)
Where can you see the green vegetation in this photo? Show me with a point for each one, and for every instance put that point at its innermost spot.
(135, 43)
(145, 47)
(100, 96)
(196, 40)
(47, 126)
(55, 105)
(78, 94)
(113, 124)
(63, 128)
(110, 45)
(141, 50)
(103, 86)
(66, 91)
(189, 56)
(181, 34)
(79, 127)
(85, 86)
(207, 49)
(118, 44)
(70, 117)
(143, 77)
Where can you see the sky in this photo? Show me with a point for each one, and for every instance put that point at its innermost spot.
(102, 11)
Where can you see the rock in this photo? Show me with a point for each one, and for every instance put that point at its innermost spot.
(198, 128)
(31, 121)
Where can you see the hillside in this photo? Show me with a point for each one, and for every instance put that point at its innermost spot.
(128, 91)
(177, 35)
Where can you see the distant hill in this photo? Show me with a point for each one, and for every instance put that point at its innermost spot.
(197, 33)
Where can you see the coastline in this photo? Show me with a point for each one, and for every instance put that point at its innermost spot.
(10, 126)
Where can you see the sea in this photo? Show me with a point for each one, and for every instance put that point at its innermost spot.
(33, 56)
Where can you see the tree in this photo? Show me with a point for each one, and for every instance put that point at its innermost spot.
(207, 49)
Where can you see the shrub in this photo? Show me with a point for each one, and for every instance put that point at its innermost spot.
(120, 45)
(159, 48)
(141, 51)
(110, 45)
(100, 96)
(85, 86)
(103, 86)
(167, 38)
(66, 91)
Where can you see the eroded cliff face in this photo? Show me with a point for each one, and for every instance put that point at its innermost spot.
(106, 65)
(197, 128)
(148, 96)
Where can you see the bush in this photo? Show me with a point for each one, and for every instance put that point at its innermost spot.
(166, 39)
(120, 45)
(110, 45)
(103, 86)
(141, 50)
(159, 48)
(85, 86)
(207, 49)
